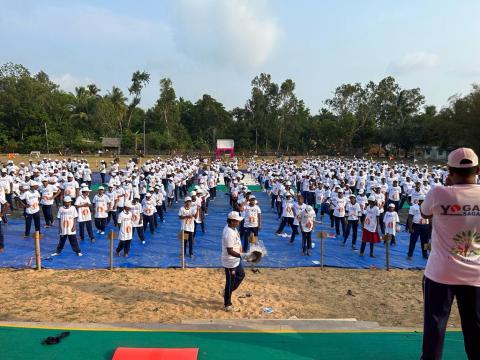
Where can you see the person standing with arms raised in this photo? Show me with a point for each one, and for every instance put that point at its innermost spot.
(453, 267)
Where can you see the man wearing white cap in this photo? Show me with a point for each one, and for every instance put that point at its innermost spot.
(187, 214)
(231, 258)
(148, 212)
(48, 192)
(100, 202)
(31, 204)
(418, 226)
(67, 216)
(391, 219)
(339, 204)
(253, 221)
(125, 232)
(370, 226)
(84, 214)
(70, 187)
(453, 267)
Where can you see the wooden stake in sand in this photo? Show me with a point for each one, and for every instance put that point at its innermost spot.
(387, 238)
(37, 250)
(181, 237)
(321, 235)
(111, 236)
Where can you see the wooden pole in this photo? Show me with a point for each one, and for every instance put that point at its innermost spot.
(387, 258)
(37, 250)
(182, 255)
(110, 237)
(321, 252)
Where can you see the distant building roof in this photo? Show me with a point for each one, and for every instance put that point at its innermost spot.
(110, 142)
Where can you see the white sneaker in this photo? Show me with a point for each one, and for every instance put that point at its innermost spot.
(79, 254)
(143, 242)
(55, 254)
(102, 232)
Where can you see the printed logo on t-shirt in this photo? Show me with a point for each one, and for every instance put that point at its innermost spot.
(467, 244)
(460, 210)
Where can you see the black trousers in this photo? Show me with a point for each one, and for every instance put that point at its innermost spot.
(82, 225)
(73, 243)
(233, 279)
(421, 231)
(339, 221)
(149, 220)
(124, 245)
(112, 215)
(140, 232)
(28, 222)
(100, 223)
(306, 241)
(438, 300)
(190, 243)
(353, 226)
(246, 235)
(2, 240)
(160, 212)
(47, 214)
(285, 221)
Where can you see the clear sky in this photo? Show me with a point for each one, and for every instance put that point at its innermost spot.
(218, 46)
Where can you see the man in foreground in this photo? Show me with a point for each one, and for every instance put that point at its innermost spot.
(231, 258)
(453, 267)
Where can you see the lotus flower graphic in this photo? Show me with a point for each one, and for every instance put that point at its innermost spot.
(467, 243)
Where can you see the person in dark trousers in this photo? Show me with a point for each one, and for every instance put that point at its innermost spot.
(418, 227)
(4, 206)
(231, 259)
(453, 267)
(67, 216)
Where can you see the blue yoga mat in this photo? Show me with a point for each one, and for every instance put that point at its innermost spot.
(162, 250)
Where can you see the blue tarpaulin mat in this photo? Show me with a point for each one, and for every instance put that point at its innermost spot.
(162, 249)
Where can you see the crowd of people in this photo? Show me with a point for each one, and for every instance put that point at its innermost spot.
(134, 198)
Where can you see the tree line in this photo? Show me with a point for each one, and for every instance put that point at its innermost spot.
(35, 112)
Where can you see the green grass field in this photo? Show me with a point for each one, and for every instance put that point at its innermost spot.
(25, 343)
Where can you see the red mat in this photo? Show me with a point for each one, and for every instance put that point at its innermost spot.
(155, 354)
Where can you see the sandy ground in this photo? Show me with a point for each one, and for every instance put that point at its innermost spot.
(170, 296)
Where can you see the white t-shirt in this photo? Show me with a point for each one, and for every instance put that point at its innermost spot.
(307, 220)
(455, 255)
(148, 206)
(230, 239)
(126, 226)
(32, 199)
(417, 216)
(371, 214)
(188, 223)
(390, 219)
(298, 209)
(251, 216)
(84, 213)
(101, 206)
(137, 218)
(353, 211)
(47, 193)
(339, 207)
(67, 220)
(394, 193)
(287, 210)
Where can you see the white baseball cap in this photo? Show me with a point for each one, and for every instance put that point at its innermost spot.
(67, 199)
(234, 215)
(187, 198)
(462, 158)
(372, 198)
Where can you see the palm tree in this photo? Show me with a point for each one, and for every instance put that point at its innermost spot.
(118, 99)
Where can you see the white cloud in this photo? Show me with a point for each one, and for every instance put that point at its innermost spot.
(235, 33)
(413, 62)
(69, 82)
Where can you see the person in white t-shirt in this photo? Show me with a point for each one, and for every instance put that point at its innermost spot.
(148, 212)
(370, 226)
(353, 212)
(137, 218)
(391, 219)
(339, 203)
(231, 258)
(307, 223)
(418, 226)
(101, 203)
(125, 229)
(103, 170)
(253, 221)
(48, 194)
(187, 214)
(453, 267)
(82, 204)
(4, 206)
(31, 204)
(67, 217)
